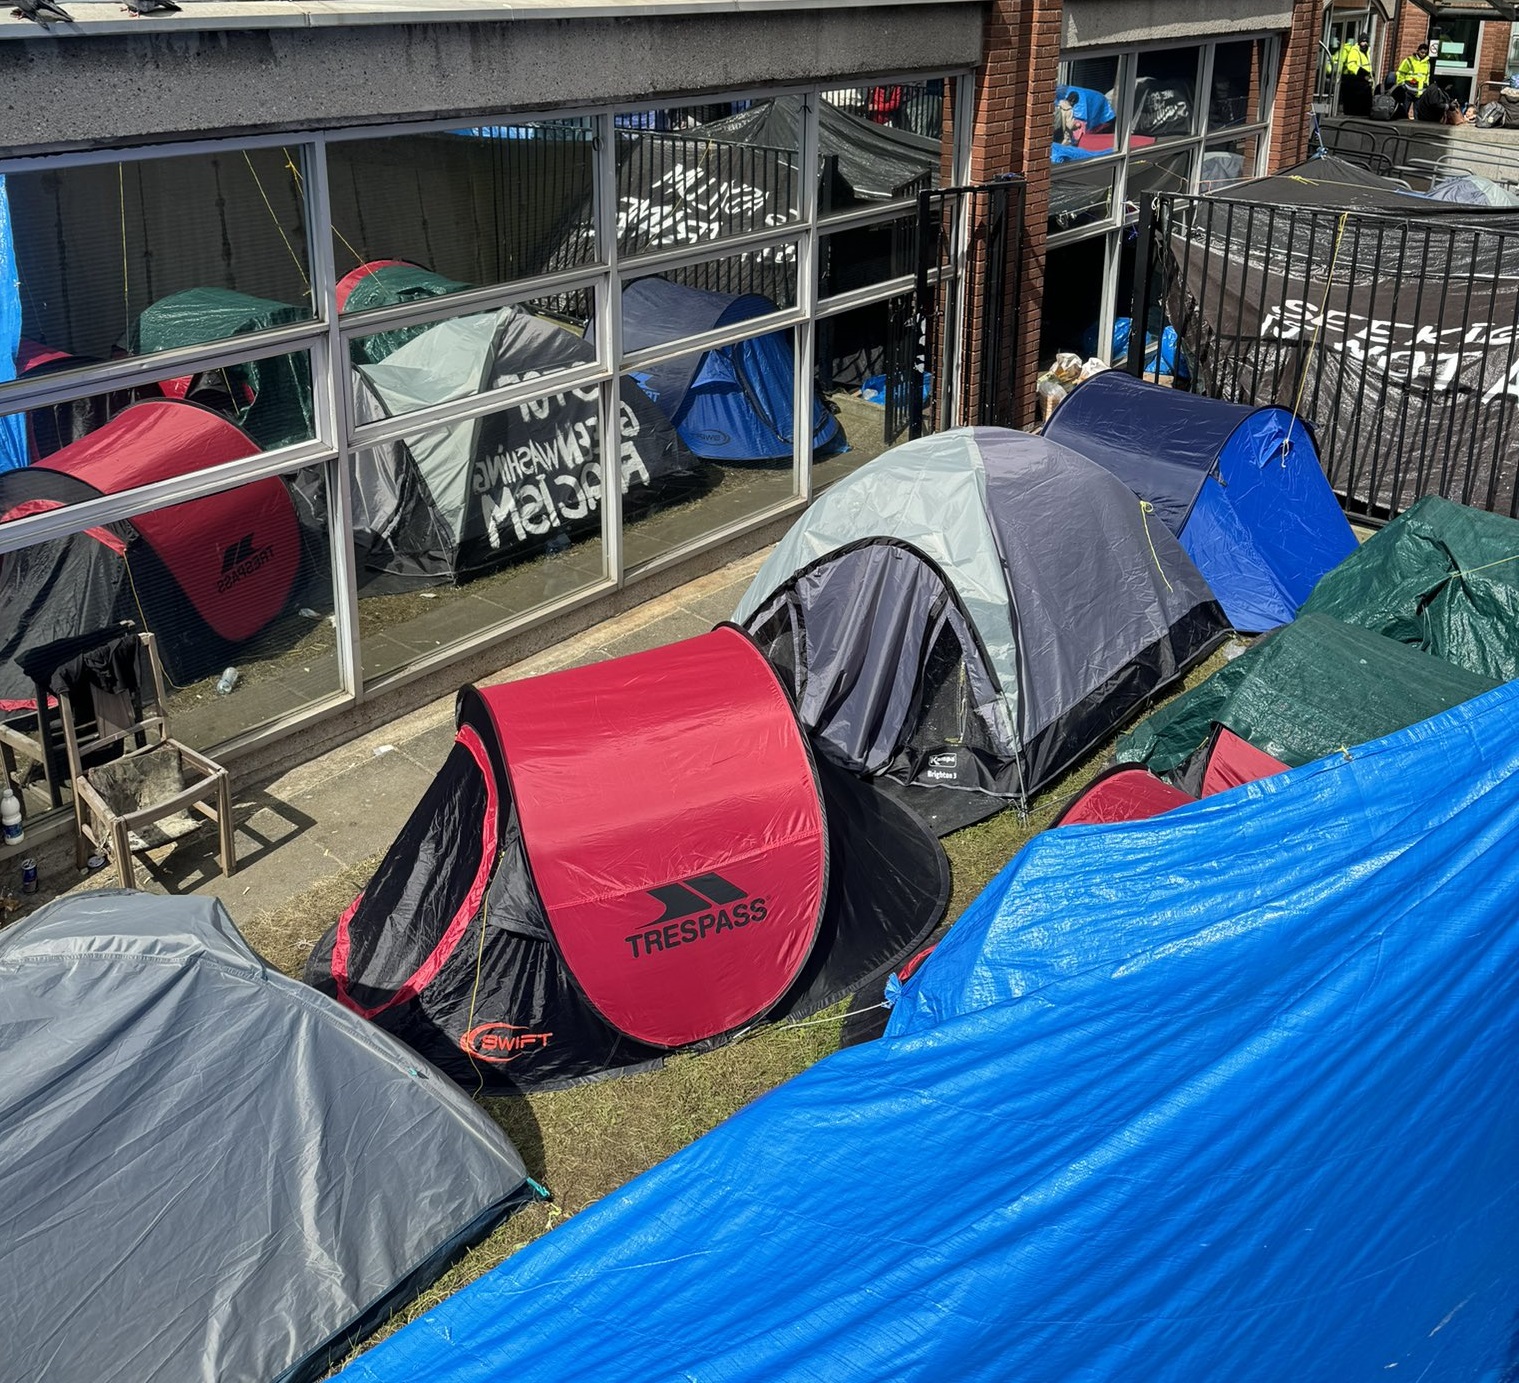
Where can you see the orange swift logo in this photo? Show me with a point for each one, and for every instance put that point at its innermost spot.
(501, 1042)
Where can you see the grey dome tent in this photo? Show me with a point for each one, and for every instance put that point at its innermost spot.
(446, 502)
(969, 613)
(209, 1171)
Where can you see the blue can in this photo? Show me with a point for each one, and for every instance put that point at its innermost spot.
(28, 876)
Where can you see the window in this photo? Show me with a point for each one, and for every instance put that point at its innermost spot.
(418, 216)
(135, 257)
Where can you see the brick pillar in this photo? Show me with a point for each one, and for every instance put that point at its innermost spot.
(1294, 88)
(1492, 59)
(1014, 105)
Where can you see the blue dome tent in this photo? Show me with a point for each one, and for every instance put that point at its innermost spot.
(1240, 487)
(731, 403)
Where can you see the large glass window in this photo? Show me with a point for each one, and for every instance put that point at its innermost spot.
(467, 438)
(134, 257)
(107, 443)
(1087, 125)
(418, 216)
(732, 413)
(1166, 102)
(865, 360)
(882, 143)
(463, 527)
(695, 174)
(236, 579)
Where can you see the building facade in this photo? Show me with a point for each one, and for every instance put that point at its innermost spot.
(527, 314)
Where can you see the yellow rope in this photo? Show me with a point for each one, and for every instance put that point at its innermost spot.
(300, 185)
(295, 258)
(1313, 345)
(1145, 510)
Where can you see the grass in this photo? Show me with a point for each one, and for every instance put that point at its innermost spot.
(586, 1142)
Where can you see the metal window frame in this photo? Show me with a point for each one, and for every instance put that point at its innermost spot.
(326, 339)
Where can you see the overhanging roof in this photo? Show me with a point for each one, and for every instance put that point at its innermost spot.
(1470, 9)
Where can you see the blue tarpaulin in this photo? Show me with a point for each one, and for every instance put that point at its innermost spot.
(1229, 1093)
(12, 428)
(1242, 488)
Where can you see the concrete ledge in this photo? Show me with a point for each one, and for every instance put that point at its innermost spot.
(148, 81)
(1088, 23)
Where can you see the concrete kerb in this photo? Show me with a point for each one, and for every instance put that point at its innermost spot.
(321, 816)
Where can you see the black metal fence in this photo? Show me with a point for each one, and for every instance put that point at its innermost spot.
(976, 310)
(1396, 338)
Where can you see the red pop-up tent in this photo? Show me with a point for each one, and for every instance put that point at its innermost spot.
(625, 859)
(206, 576)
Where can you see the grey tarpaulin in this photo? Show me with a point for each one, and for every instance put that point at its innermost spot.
(969, 613)
(209, 1171)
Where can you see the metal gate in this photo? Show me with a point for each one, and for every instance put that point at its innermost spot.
(962, 332)
(1395, 336)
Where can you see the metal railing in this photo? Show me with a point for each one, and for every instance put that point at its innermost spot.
(980, 309)
(1396, 338)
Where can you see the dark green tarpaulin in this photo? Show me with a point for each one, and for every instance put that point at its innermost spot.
(1440, 577)
(1302, 692)
(269, 399)
(386, 285)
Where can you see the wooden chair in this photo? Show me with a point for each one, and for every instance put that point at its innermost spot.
(153, 779)
(35, 734)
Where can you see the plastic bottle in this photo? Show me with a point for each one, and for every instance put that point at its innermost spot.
(10, 818)
(227, 681)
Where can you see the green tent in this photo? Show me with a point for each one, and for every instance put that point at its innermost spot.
(387, 283)
(1309, 688)
(1440, 577)
(269, 399)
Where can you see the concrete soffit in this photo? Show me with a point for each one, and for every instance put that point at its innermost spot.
(1109, 23)
(150, 81)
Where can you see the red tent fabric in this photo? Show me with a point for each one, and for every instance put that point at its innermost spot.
(1125, 793)
(233, 555)
(685, 887)
(1233, 761)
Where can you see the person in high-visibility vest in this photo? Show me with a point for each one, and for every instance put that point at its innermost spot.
(1355, 77)
(1411, 78)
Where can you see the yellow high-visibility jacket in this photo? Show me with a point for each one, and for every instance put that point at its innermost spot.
(1413, 72)
(1353, 60)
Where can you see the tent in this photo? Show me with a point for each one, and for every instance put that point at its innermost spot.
(1241, 487)
(1121, 793)
(453, 500)
(206, 576)
(270, 399)
(1228, 1093)
(1440, 577)
(1310, 688)
(1471, 189)
(970, 613)
(208, 1171)
(625, 859)
(731, 403)
(387, 283)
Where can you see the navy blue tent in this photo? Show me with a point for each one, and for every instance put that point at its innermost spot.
(1240, 487)
(1139, 1116)
(732, 403)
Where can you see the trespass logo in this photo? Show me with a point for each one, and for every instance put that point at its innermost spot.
(696, 910)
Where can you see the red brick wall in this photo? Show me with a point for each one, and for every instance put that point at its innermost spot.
(1292, 114)
(1492, 59)
(1015, 96)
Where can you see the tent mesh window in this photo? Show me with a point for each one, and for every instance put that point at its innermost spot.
(948, 716)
